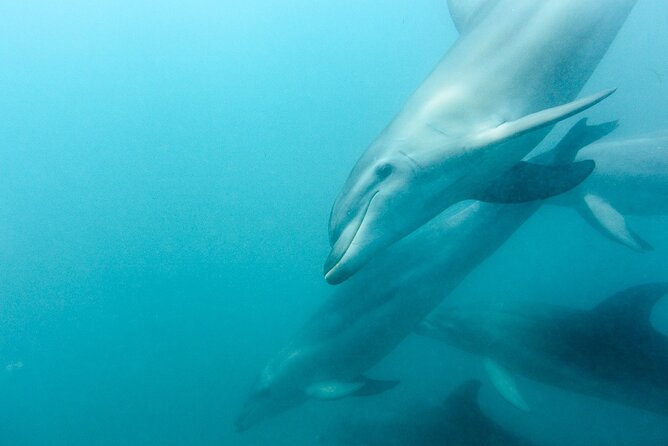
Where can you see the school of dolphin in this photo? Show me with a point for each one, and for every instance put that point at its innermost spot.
(453, 175)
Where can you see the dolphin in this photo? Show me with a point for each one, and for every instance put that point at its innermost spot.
(364, 319)
(630, 178)
(457, 421)
(514, 72)
(610, 351)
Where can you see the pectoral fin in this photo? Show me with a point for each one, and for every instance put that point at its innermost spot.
(534, 121)
(528, 182)
(334, 390)
(608, 220)
(504, 383)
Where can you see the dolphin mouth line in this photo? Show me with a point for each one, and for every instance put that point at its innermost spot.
(352, 239)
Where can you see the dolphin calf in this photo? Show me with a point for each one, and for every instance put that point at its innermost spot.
(364, 319)
(514, 72)
(611, 351)
(631, 178)
(457, 421)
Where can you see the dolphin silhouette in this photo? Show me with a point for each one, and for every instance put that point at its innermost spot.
(611, 351)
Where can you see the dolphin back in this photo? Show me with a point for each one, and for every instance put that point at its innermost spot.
(633, 305)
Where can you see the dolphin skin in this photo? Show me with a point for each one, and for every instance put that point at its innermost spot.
(630, 178)
(611, 351)
(457, 421)
(364, 319)
(515, 70)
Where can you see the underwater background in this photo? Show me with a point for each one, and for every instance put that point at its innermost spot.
(166, 175)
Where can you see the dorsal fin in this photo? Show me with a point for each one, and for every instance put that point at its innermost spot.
(465, 396)
(466, 13)
(633, 305)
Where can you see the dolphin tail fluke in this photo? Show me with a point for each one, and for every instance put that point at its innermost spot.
(610, 222)
(579, 136)
(334, 390)
(505, 384)
(528, 182)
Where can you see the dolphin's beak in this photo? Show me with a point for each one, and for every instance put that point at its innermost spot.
(343, 261)
(335, 269)
(339, 264)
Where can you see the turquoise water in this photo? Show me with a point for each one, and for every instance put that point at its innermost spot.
(166, 177)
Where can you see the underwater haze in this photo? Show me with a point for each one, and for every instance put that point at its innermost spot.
(167, 171)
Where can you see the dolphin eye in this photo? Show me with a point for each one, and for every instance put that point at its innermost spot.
(384, 170)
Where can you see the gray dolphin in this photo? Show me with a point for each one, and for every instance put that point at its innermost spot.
(514, 72)
(631, 178)
(611, 351)
(364, 319)
(457, 421)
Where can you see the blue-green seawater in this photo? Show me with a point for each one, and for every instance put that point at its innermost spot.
(166, 175)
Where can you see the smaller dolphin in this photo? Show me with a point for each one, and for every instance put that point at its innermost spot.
(611, 351)
(630, 178)
(457, 421)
